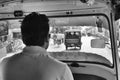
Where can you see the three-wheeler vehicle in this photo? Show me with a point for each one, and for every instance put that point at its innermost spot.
(96, 60)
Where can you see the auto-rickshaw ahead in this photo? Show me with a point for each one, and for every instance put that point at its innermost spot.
(73, 38)
(87, 25)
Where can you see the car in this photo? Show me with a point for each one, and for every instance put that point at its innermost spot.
(97, 58)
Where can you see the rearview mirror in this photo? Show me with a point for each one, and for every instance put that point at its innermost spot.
(97, 43)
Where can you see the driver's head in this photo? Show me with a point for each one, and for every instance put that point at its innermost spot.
(35, 30)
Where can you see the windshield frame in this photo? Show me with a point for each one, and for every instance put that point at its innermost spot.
(78, 15)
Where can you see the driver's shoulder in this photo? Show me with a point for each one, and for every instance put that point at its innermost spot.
(57, 62)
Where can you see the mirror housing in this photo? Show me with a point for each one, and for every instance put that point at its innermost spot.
(117, 12)
(116, 4)
(97, 43)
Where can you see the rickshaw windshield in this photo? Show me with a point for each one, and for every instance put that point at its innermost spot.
(75, 38)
